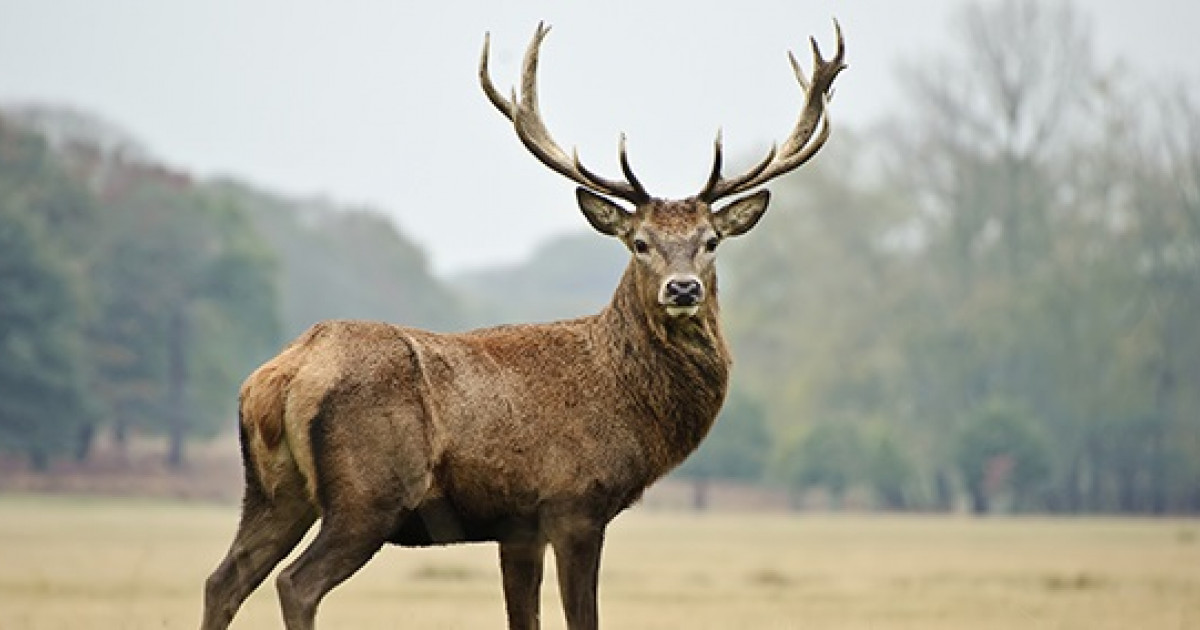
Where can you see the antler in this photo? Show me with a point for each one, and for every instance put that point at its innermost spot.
(800, 145)
(527, 121)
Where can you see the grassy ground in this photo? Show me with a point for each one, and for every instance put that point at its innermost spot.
(108, 564)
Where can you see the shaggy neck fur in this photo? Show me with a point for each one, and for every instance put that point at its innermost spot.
(682, 362)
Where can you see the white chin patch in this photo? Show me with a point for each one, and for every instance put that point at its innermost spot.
(683, 311)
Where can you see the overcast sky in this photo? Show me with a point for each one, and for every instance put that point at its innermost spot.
(377, 102)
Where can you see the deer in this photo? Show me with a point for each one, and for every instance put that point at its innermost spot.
(526, 435)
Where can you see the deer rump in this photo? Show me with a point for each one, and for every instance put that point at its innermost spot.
(470, 437)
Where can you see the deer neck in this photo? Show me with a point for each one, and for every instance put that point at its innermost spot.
(634, 316)
(676, 368)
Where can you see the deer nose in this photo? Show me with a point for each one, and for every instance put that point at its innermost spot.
(683, 292)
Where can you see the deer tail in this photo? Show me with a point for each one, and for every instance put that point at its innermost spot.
(265, 452)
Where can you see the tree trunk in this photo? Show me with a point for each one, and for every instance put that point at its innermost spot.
(979, 499)
(1164, 397)
(177, 417)
(943, 495)
(700, 493)
(1126, 480)
(39, 460)
(1072, 491)
(84, 441)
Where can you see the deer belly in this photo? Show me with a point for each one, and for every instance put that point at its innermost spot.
(440, 522)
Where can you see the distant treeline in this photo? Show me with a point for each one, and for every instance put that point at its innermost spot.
(994, 296)
(135, 298)
(991, 300)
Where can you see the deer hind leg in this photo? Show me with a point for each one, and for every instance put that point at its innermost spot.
(342, 547)
(372, 473)
(268, 531)
(521, 564)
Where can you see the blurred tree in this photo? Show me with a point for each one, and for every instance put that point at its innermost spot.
(890, 472)
(999, 453)
(989, 120)
(823, 341)
(831, 456)
(42, 400)
(337, 262)
(189, 303)
(223, 320)
(180, 292)
(177, 293)
(1001, 126)
(41, 394)
(1042, 250)
(1158, 444)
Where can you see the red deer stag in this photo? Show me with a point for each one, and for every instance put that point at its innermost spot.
(525, 435)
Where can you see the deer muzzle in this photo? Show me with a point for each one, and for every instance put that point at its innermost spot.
(681, 295)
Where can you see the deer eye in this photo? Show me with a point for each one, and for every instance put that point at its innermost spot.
(711, 244)
(640, 246)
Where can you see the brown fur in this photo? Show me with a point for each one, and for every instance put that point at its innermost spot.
(526, 435)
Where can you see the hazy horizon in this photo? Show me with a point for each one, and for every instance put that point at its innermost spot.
(377, 103)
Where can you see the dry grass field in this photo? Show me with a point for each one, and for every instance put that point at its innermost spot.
(106, 564)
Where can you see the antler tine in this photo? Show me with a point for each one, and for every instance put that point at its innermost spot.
(627, 170)
(635, 192)
(716, 183)
(504, 105)
(798, 71)
(714, 175)
(800, 144)
(527, 120)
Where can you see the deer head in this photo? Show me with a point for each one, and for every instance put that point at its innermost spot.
(673, 242)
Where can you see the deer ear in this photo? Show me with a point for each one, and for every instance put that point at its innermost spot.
(604, 215)
(739, 216)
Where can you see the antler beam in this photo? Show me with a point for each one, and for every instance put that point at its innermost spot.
(800, 145)
(523, 111)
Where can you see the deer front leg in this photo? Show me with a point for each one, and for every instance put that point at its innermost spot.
(521, 565)
(577, 556)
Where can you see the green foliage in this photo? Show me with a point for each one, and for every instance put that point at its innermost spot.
(186, 301)
(336, 262)
(151, 295)
(1031, 238)
(42, 399)
(830, 456)
(999, 451)
(41, 394)
(891, 473)
(126, 285)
